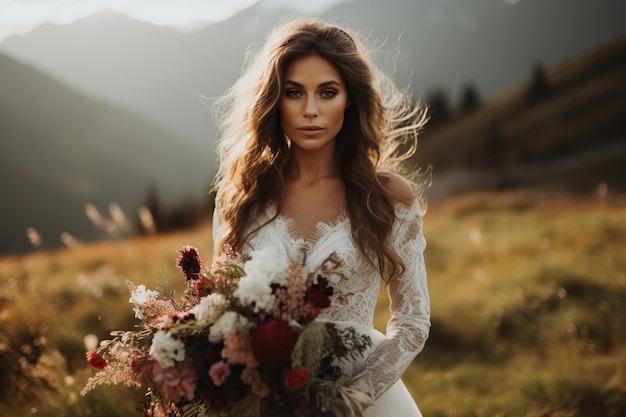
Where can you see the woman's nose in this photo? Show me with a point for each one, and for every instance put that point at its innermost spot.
(310, 109)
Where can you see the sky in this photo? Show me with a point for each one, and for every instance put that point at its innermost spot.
(22, 16)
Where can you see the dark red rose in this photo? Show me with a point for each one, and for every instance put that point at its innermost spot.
(272, 343)
(296, 378)
(189, 262)
(96, 360)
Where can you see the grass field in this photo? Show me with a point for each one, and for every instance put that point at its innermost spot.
(528, 297)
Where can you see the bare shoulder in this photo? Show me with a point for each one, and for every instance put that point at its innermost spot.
(399, 188)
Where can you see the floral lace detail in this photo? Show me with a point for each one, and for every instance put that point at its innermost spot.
(356, 291)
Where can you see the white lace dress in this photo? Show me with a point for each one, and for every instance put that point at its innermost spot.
(354, 299)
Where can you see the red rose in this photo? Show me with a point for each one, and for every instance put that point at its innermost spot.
(296, 378)
(96, 360)
(272, 343)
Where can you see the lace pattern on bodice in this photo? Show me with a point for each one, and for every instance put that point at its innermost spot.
(356, 289)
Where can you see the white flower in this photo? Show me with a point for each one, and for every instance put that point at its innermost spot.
(139, 297)
(269, 263)
(265, 268)
(209, 309)
(166, 349)
(225, 325)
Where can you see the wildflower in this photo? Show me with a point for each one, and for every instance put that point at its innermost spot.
(176, 382)
(267, 263)
(219, 372)
(140, 296)
(166, 349)
(96, 360)
(224, 325)
(189, 262)
(209, 309)
(296, 378)
(203, 287)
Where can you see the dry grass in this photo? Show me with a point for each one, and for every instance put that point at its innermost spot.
(528, 302)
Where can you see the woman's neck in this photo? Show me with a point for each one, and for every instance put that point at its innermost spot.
(309, 167)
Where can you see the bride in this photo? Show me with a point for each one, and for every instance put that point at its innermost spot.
(310, 162)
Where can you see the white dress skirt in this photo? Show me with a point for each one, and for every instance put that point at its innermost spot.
(397, 401)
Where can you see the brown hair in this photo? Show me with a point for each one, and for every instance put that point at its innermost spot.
(379, 131)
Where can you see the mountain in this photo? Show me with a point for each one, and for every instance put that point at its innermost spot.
(161, 73)
(561, 129)
(61, 149)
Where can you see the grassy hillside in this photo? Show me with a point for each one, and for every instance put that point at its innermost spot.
(528, 298)
(562, 129)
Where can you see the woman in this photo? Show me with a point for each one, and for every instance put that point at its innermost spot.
(310, 163)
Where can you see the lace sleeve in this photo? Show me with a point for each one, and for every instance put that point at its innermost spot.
(409, 324)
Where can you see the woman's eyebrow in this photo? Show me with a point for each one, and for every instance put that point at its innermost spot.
(322, 85)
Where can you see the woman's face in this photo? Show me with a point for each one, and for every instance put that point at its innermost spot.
(312, 103)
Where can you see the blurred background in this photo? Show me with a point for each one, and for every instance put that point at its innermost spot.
(110, 102)
(107, 136)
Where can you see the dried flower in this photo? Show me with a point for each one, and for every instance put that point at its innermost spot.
(96, 360)
(166, 349)
(265, 269)
(209, 309)
(140, 297)
(219, 372)
(176, 382)
(239, 334)
(189, 262)
(224, 325)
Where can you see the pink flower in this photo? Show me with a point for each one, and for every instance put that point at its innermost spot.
(272, 343)
(176, 382)
(189, 262)
(96, 360)
(219, 372)
(296, 378)
(237, 349)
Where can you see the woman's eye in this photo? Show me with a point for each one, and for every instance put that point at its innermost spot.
(292, 93)
(328, 93)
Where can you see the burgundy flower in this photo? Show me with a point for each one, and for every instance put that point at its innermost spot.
(189, 262)
(318, 295)
(204, 287)
(296, 378)
(96, 360)
(272, 343)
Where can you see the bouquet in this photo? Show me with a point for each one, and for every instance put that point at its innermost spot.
(241, 341)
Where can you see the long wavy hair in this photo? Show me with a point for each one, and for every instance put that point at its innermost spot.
(379, 132)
